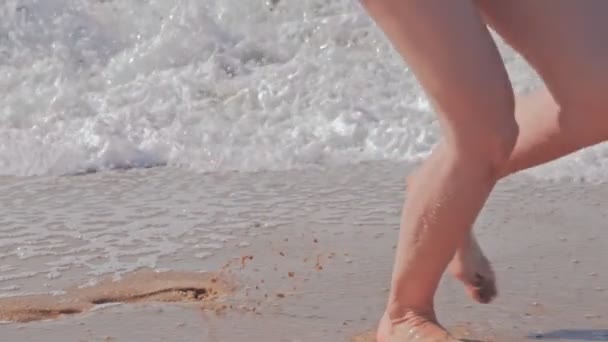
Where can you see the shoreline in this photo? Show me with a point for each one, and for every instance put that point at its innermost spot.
(322, 246)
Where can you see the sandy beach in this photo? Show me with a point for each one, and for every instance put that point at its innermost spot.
(292, 256)
(121, 123)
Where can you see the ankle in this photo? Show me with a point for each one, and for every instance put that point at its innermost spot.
(398, 313)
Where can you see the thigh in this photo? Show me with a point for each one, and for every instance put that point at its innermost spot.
(566, 41)
(450, 51)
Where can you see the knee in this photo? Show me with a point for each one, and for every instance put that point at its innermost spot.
(488, 137)
(489, 149)
(500, 145)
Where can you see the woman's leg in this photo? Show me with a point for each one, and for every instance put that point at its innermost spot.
(565, 41)
(456, 61)
(571, 114)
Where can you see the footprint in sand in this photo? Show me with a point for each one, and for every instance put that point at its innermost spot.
(142, 286)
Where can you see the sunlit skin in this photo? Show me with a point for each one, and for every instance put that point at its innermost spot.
(488, 132)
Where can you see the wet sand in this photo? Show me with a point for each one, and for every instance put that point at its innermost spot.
(140, 286)
(310, 260)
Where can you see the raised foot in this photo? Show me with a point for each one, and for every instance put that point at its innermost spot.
(414, 328)
(473, 269)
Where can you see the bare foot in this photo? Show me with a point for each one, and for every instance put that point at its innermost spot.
(471, 267)
(413, 328)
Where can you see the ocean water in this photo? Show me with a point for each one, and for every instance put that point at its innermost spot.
(213, 85)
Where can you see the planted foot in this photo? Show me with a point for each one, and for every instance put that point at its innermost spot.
(413, 328)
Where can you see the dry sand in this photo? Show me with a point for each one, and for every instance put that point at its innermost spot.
(313, 264)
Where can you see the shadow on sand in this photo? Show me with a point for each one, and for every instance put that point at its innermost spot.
(573, 335)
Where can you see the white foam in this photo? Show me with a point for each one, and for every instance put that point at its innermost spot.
(211, 84)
